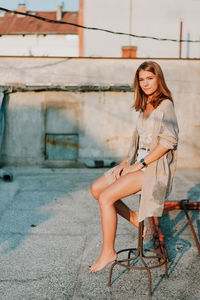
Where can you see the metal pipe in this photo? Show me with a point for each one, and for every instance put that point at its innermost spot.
(188, 45)
(5, 175)
(191, 226)
(180, 39)
(172, 205)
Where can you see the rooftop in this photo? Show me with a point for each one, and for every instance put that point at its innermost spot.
(11, 23)
(50, 232)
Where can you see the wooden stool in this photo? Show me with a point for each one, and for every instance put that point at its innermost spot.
(140, 256)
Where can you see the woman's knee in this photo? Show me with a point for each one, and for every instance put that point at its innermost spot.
(98, 186)
(103, 199)
(94, 190)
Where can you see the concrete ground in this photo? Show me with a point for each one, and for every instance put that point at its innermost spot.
(50, 232)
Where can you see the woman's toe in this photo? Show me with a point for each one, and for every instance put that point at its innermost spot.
(91, 268)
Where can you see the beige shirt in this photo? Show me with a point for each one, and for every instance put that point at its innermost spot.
(158, 177)
(145, 131)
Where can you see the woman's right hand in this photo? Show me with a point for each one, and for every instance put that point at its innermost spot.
(116, 171)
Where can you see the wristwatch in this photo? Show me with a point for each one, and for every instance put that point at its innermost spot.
(143, 162)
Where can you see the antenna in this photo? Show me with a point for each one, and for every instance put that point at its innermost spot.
(21, 2)
(63, 5)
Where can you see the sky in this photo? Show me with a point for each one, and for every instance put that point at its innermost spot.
(41, 5)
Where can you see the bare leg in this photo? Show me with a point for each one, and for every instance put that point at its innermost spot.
(132, 216)
(121, 208)
(123, 187)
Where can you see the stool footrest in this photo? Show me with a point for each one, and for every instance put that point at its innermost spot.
(162, 260)
(140, 256)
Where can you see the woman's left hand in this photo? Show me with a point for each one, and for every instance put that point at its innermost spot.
(132, 169)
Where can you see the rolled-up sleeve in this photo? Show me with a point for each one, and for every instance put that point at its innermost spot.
(168, 136)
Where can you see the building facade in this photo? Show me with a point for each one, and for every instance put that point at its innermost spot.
(25, 36)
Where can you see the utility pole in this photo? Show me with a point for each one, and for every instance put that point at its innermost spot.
(180, 39)
(130, 20)
(188, 45)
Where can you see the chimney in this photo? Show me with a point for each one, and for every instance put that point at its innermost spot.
(59, 13)
(21, 7)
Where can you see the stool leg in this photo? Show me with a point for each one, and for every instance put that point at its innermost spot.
(128, 263)
(166, 269)
(191, 226)
(140, 247)
(149, 275)
(110, 274)
(140, 238)
(140, 243)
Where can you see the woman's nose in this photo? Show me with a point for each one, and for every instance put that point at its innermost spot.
(145, 83)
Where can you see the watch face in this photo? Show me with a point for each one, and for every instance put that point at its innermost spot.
(143, 162)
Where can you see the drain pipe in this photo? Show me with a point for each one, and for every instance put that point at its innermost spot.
(4, 174)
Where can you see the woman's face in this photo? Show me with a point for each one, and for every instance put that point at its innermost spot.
(148, 82)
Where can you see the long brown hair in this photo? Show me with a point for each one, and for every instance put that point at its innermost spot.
(160, 94)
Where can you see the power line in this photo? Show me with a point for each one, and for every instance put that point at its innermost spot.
(99, 29)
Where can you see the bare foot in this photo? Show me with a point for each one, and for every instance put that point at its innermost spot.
(134, 221)
(102, 262)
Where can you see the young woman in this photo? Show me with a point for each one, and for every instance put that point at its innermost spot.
(149, 166)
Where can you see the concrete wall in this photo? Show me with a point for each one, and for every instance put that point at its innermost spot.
(90, 98)
(40, 45)
(150, 18)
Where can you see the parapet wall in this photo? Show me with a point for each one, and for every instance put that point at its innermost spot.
(85, 105)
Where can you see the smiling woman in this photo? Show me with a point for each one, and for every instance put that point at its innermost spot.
(149, 166)
(149, 80)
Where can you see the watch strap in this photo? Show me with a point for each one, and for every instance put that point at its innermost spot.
(143, 162)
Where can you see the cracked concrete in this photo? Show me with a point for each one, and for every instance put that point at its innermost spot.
(50, 232)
